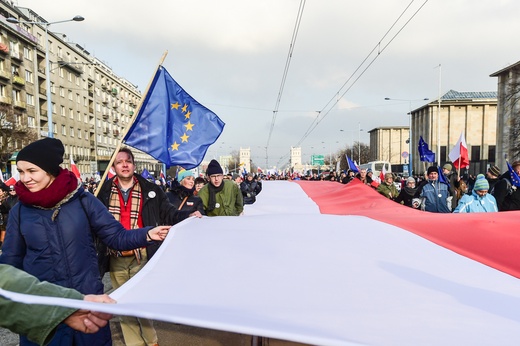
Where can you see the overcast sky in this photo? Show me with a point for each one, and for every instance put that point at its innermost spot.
(230, 55)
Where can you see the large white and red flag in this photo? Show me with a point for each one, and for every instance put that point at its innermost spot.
(459, 154)
(74, 168)
(323, 263)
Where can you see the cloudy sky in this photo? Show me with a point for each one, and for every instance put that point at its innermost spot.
(347, 57)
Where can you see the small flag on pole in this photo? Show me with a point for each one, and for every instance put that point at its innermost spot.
(74, 168)
(459, 154)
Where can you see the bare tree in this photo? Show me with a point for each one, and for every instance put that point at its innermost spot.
(14, 132)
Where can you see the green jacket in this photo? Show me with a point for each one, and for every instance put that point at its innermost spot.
(229, 200)
(389, 191)
(37, 322)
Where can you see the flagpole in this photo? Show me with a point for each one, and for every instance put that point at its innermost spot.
(128, 126)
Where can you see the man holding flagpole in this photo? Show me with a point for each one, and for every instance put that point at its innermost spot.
(135, 202)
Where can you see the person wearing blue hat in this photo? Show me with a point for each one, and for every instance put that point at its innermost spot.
(480, 201)
(183, 195)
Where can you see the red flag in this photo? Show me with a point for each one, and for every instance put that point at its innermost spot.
(74, 168)
(11, 181)
(459, 154)
(382, 174)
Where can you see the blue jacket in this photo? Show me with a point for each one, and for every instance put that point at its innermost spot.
(436, 195)
(475, 204)
(61, 251)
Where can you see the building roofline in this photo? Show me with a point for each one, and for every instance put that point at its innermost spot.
(507, 68)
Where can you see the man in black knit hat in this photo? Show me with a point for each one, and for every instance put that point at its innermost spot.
(220, 197)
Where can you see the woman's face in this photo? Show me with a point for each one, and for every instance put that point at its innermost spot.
(188, 182)
(33, 177)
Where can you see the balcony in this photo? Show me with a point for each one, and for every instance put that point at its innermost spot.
(5, 74)
(5, 100)
(43, 115)
(17, 55)
(20, 104)
(105, 130)
(105, 101)
(114, 91)
(103, 86)
(116, 120)
(42, 91)
(18, 80)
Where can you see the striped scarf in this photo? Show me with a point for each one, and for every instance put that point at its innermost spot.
(116, 198)
(114, 207)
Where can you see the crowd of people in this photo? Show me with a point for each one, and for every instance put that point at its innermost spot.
(441, 189)
(67, 232)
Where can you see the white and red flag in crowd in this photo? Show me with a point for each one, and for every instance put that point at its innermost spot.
(337, 265)
(111, 173)
(382, 174)
(459, 154)
(74, 168)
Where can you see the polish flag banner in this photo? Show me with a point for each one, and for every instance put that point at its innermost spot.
(322, 263)
(382, 174)
(74, 168)
(111, 173)
(459, 154)
(11, 181)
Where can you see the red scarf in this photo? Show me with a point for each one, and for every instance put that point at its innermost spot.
(65, 183)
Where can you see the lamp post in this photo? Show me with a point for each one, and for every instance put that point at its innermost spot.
(410, 166)
(47, 62)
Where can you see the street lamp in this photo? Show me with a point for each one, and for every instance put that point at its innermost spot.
(410, 166)
(47, 62)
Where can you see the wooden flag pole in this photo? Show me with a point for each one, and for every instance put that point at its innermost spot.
(127, 128)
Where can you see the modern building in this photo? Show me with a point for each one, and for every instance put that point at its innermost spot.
(472, 113)
(390, 144)
(91, 105)
(508, 115)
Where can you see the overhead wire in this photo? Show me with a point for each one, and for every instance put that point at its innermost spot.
(380, 50)
(286, 68)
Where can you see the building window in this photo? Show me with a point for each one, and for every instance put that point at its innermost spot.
(63, 130)
(28, 76)
(62, 111)
(71, 113)
(70, 95)
(27, 53)
(30, 121)
(492, 153)
(62, 92)
(475, 153)
(72, 132)
(79, 133)
(61, 72)
(29, 99)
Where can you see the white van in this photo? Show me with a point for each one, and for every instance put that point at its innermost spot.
(377, 167)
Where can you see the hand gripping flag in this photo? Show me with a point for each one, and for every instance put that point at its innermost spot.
(424, 152)
(459, 154)
(172, 126)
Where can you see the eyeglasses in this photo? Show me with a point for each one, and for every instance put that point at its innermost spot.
(216, 176)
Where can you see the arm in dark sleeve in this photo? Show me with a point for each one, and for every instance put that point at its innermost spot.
(109, 230)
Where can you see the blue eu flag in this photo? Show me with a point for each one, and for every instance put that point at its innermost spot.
(172, 126)
(424, 152)
(515, 180)
(147, 175)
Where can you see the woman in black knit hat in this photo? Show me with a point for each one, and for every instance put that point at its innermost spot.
(51, 231)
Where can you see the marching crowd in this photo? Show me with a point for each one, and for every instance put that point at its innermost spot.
(60, 235)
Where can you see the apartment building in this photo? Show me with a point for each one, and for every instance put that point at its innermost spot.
(90, 105)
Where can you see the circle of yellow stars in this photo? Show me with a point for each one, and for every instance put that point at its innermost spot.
(188, 125)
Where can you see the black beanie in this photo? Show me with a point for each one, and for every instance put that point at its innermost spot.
(432, 169)
(46, 153)
(214, 168)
